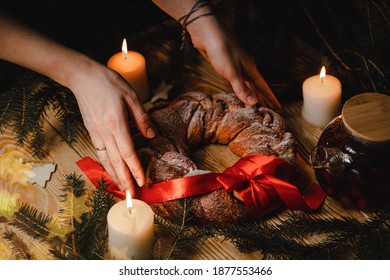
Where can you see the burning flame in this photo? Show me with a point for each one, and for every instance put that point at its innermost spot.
(129, 201)
(323, 73)
(124, 48)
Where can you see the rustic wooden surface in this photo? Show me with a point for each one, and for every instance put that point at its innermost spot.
(214, 157)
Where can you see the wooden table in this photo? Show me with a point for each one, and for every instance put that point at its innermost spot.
(48, 200)
(16, 243)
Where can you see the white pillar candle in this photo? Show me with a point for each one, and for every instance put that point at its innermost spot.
(321, 99)
(130, 230)
(131, 65)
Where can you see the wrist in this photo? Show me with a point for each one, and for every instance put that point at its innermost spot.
(203, 28)
(76, 70)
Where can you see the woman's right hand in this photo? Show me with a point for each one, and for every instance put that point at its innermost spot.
(214, 41)
(218, 46)
(106, 101)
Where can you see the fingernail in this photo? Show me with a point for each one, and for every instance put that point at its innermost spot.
(139, 182)
(150, 132)
(252, 100)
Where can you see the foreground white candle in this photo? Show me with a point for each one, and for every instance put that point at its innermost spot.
(131, 65)
(321, 99)
(130, 230)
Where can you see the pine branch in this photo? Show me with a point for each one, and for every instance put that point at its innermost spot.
(375, 244)
(290, 238)
(28, 108)
(62, 251)
(19, 127)
(23, 107)
(6, 107)
(90, 236)
(37, 142)
(74, 184)
(343, 238)
(19, 247)
(73, 202)
(31, 221)
(178, 233)
(66, 110)
(41, 96)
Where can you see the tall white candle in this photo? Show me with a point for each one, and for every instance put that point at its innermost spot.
(321, 99)
(131, 65)
(130, 230)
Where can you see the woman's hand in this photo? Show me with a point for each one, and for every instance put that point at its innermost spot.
(221, 49)
(214, 42)
(106, 102)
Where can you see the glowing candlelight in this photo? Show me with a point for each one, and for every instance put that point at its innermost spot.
(322, 74)
(321, 99)
(129, 201)
(130, 229)
(124, 48)
(131, 65)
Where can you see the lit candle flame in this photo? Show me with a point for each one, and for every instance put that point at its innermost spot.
(322, 74)
(124, 48)
(129, 201)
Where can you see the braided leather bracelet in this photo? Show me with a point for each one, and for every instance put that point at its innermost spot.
(187, 21)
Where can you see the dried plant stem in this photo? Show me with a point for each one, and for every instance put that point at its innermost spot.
(182, 225)
(328, 46)
(365, 60)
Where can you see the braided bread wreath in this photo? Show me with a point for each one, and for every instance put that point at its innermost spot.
(194, 119)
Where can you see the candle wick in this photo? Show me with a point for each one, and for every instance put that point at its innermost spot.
(129, 209)
(322, 80)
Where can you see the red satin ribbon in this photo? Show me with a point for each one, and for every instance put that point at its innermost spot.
(264, 183)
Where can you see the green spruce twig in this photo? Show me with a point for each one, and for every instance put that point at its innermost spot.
(67, 111)
(178, 233)
(62, 251)
(90, 235)
(24, 105)
(20, 249)
(293, 238)
(74, 184)
(31, 221)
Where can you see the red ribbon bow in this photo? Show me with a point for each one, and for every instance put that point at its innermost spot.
(264, 183)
